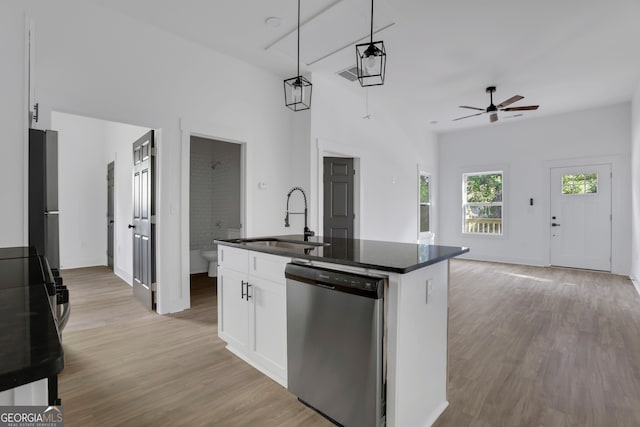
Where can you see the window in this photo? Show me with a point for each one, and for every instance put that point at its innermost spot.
(482, 202)
(425, 204)
(583, 183)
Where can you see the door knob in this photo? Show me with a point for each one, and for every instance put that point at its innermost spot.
(131, 226)
(553, 224)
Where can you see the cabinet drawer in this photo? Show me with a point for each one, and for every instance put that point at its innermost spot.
(233, 258)
(267, 266)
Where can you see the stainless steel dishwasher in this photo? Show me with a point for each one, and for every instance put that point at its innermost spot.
(335, 330)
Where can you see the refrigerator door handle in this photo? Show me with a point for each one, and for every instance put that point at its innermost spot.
(51, 212)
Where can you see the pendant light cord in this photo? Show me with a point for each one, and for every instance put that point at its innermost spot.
(371, 40)
(298, 38)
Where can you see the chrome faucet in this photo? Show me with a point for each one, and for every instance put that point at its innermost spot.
(307, 231)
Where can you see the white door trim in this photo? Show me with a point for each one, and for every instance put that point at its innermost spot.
(204, 129)
(596, 257)
(620, 204)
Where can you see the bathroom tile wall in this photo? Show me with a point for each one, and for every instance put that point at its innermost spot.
(214, 190)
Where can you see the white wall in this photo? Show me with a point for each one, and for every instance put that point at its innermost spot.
(526, 150)
(93, 62)
(389, 155)
(86, 147)
(635, 188)
(82, 190)
(13, 122)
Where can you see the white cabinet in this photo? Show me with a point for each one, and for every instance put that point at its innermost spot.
(252, 316)
(233, 310)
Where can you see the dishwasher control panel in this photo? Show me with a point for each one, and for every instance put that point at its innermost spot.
(369, 286)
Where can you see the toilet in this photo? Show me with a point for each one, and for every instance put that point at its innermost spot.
(210, 254)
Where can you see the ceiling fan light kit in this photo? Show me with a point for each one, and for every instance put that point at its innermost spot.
(492, 109)
(297, 90)
(371, 60)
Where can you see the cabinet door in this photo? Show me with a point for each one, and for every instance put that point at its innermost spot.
(268, 327)
(232, 309)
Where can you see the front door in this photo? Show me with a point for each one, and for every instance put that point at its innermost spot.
(143, 220)
(110, 217)
(338, 197)
(580, 220)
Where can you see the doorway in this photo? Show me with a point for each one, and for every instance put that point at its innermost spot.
(338, 183)
(215, 204)
(82, 201)
(580, 217)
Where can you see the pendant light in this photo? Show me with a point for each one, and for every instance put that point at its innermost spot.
(371, 60)
(297, 90)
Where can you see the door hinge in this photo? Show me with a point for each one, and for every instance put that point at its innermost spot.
(154, 151)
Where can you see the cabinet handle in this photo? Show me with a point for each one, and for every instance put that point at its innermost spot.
(242, 294)
(248, 296)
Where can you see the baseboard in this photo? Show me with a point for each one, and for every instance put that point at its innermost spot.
(504, 260)
(436, 414)
(126, 277)
(636, 284)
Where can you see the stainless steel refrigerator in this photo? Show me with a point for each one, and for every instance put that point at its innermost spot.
(44, 215)
(43, 195)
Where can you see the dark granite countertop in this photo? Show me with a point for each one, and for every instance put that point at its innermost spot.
(29, 340)
(385, 256)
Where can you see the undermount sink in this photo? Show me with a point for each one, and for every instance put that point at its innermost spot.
(281, 243)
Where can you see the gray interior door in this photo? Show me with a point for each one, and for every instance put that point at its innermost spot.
(143, 218)
(338, 197)
(110, 217)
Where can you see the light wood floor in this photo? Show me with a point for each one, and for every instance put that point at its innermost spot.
(528, 347)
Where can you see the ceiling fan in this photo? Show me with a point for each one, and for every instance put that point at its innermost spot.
(492, 110)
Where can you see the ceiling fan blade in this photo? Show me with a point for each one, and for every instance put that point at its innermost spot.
(511, 117)
(525, 108)
(472, 108)
(466, 117)
(510, 101)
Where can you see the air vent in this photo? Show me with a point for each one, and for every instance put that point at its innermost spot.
(350, 73)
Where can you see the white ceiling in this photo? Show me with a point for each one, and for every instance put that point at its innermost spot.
(564, 55)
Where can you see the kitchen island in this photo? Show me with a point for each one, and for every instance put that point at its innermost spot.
(32, 355)
(252, 310)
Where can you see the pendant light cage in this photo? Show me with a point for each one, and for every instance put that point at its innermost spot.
(297, 90)
(297, 93)
(371, 60)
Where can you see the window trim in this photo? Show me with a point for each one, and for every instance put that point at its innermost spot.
(464, 204)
